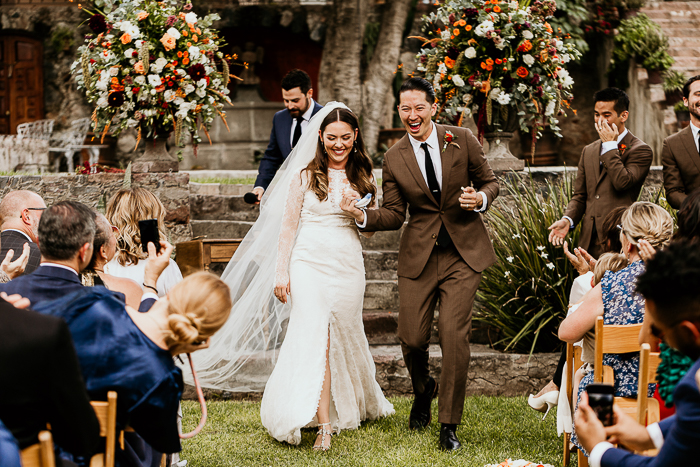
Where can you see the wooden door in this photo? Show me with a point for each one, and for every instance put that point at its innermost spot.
(21, 82)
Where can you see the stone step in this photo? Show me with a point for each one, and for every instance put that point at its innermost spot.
(220, 229)
(385, 240)
(681, 31)
(670, 6)
(381, 265)
(684, 41)
(381, 295)
(221, 207)
(491, 373)
(689, 52)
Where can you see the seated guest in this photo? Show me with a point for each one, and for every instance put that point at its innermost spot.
(129, 352)
(104, 249)
(669, 287)
(615, 298)
(41, 381)
(20, 212)
(124, 210)
(9, 451)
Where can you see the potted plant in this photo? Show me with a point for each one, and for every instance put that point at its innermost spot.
(642, 39)
(682, 114)
(499, 62)
(673, 85)
(155, 67)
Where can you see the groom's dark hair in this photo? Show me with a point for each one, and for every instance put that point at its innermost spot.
(297, 79)
(419, 84)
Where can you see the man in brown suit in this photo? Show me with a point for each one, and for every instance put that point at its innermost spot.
(611, 173)
(443, 250)
(680, 156)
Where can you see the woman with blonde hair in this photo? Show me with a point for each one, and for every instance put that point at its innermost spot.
(123, 350)
(615, 298)
(124, 210)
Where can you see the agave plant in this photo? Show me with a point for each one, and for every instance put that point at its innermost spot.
(525, 295)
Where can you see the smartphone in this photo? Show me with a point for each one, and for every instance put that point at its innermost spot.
(149, 233)
(600, 398)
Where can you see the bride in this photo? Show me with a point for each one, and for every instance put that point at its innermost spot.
(305, 251)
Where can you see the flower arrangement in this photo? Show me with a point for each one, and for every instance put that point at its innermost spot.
(493, 59)
(153, 66)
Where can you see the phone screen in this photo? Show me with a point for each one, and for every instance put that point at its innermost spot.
(600, 398)
(149, 233)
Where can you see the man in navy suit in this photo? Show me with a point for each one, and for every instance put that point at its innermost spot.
(287, 126)
(669, 287)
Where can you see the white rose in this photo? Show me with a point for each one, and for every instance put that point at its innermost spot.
(494, 93)
(457, 80)
(550, 108)
(201, 92)
(514, 5)
(191, 17)
(446, 34)
(101, 85)
(160, 63)
(470, 52)
(154, 80)
(202, 83)
(102, 103)
(559, 44)
(189, 88)
(528, 34)
(565, 58)
(194, 52)
(169, 95)
(128, 53)
(140, 79)
(501, 45)
(211, 99)
(503, 98)
(562, 73)
(567, 82)
(522, 88)
(528, 59)
(484, 27)
(174, 33)
(114, 71)
(138, 44)
(442, 69)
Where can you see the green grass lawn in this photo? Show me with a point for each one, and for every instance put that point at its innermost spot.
(493, 429)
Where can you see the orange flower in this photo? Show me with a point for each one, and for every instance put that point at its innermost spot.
(160, 88)
(498, 61)
(195, 38)
(142, 15)
(522, 72)
(126, 38)
(184, 33)
(179, 54)
(485, 87)
(206, 41)
(187, 54)
(185, 61)
(115, 80)
(483, 66)
(468, 27)
(449, 63)
(497, 9)
(139, 68)
(544, 56)
(462, 23)
(456, 32)
(168, 41)
(525, 46)
(489, 61)
(549, 28)
(189, 44)
(198, 31)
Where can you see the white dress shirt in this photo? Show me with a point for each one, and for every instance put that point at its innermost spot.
(305, 122)
(695, 131)
(597, 453)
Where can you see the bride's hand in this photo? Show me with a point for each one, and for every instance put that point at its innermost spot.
(281, 292)
(347, 204)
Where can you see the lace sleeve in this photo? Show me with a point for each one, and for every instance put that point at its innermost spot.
(288, 230)
(373, 205)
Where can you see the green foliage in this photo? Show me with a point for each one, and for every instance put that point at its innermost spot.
(640, 38)
(525, 295)
(674, 81)
(680, 107)
(568, 18)
(62, 39)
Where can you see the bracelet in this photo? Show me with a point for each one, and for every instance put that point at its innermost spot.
(151, 287)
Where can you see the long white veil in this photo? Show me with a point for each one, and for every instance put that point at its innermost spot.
(243, 352)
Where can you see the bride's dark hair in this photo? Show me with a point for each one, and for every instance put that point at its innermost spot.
(358, 167)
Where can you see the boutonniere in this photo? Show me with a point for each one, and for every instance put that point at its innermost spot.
(622, 148)
(449, 139)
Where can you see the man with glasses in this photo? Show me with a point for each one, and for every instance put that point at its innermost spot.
(20, 212)
(670, 288)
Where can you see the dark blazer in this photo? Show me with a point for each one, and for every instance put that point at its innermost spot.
(13, 240)
(601, 188)
(681, 166)
(42, 382)
(404, 187)
(46, 283)
(279, 146)
(681, 433)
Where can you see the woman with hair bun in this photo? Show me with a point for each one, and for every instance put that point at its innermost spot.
(123, 350)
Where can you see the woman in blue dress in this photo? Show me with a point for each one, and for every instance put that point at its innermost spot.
(123, 350)
(615, 298)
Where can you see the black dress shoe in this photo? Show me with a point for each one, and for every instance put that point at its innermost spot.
(448, 438)
(420, 412)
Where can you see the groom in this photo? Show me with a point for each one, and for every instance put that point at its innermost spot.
(440, 174)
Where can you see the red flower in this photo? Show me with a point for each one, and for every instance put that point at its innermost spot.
(622, 148)
(448, 137)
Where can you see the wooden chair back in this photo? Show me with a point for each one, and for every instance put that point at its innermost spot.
(573, 363)
(107, 415)
(613, 339)
(39, 454)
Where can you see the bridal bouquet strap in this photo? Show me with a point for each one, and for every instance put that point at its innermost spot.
(153, 66)
(497, 60)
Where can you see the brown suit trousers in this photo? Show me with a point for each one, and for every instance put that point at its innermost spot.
(681, 166)
(604, 182)
(428, 272)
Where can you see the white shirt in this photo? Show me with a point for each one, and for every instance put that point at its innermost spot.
(610, 145)
(695, 131)
(136, 272)
(305, 122)
(597, 453)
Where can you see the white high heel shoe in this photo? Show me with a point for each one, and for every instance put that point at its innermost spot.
(545, 402)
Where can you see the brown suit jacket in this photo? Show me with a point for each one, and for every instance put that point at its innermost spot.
(681, 166)
(600, 189)
(403, 185)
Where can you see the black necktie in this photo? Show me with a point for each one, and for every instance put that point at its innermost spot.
(297, 131)
(430, 174)
(697, 145)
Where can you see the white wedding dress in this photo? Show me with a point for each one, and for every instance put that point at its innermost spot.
(324, 264)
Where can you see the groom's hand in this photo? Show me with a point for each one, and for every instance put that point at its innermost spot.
(470, 199)
(347, 204)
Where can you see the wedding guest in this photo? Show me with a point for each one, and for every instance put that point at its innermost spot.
(9, 450)
(20, 212)
(689, 218)
(104, 250)
(42, 383)
(615, 297)
(669, 287)
(124, 210)
(131, 352)
(287, 126)
(10, 269)
(681, 153)
(611, 172)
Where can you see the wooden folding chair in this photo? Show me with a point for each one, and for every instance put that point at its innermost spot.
(107, 415)
(573, 363)
(39, 454)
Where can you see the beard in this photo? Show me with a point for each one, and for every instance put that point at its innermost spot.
(300, 111)
(695, 110)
